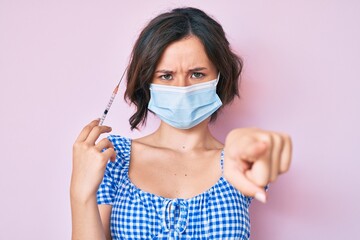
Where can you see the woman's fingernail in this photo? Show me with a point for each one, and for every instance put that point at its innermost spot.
(260, 197)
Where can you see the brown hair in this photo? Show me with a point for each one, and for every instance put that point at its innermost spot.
(165, 29)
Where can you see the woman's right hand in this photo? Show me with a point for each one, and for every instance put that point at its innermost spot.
(89, 162)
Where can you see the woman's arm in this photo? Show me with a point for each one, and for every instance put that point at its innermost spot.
(90, 221)
(105, 212)
(89, 163)
(86, 220)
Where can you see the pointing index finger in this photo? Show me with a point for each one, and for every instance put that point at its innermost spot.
(248, 188)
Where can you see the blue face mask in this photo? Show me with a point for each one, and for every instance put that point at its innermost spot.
(184, 107)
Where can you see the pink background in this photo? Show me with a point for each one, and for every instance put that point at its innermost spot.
(60, 60)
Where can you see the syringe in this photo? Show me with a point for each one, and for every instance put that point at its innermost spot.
(111, 100)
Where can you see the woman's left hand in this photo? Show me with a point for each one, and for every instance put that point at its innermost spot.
(254, 158)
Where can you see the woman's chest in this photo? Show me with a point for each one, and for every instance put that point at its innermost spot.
(219, 213)
(174, 175)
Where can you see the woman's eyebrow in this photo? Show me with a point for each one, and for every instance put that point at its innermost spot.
(164, 71)
(190, 70)
(197, 69)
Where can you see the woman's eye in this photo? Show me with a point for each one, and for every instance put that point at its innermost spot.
(197, 75)
(166, 77)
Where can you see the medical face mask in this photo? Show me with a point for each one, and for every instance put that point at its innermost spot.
(184, 107)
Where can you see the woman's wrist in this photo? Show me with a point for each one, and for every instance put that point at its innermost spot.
(80, 196)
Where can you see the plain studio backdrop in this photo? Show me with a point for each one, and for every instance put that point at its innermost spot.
(60, 60)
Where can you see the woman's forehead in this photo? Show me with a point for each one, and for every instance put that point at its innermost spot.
(186, 53)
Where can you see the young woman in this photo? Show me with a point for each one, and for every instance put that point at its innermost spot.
(178, 182)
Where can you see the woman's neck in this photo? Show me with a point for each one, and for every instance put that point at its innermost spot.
(198, 137)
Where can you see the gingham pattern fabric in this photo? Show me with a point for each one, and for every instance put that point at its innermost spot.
(218, 213)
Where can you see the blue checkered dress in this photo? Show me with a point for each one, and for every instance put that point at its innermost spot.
(218, 213)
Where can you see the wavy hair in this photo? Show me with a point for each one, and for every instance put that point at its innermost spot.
(165, 29)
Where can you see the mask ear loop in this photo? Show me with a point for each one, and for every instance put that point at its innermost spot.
(217, 79)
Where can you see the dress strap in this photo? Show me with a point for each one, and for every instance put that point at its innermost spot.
(222, 162)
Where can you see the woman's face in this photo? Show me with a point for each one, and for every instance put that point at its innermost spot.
(184, 63)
